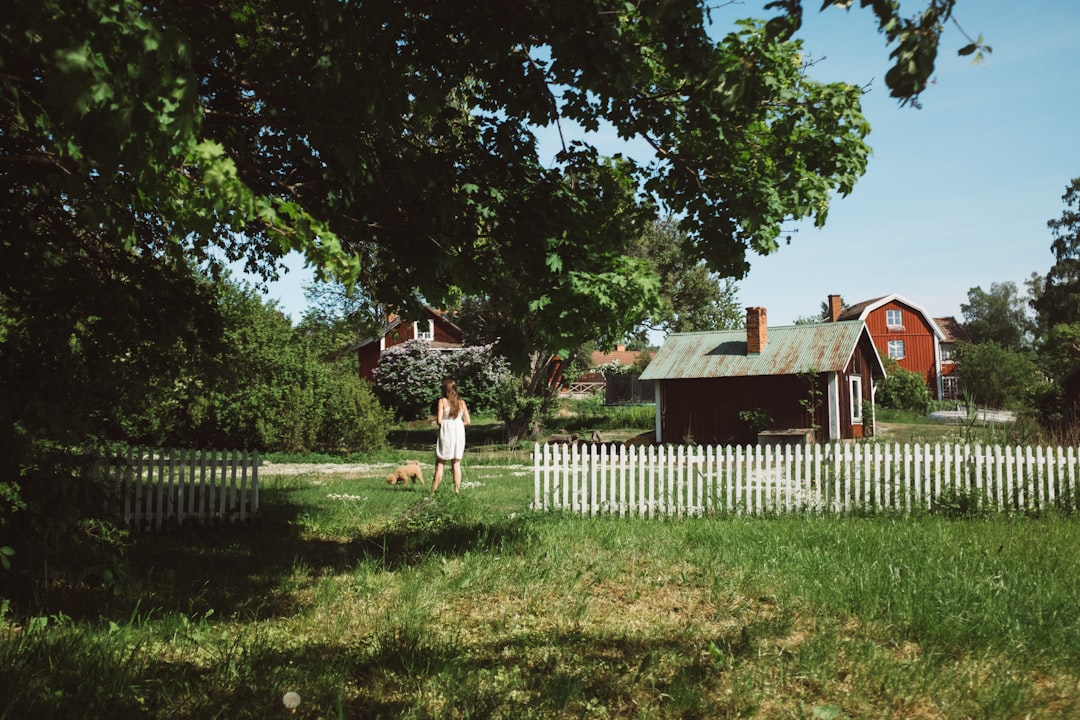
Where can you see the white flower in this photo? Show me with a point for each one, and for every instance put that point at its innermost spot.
(291, 700)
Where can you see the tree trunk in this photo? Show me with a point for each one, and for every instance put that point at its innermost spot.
(538, 394)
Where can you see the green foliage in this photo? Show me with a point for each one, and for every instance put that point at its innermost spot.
(996, 377)
(351, 418)
(589, 414)
(811, 403)
(409, 377)
(61, 531)
(1000, 315)
(1059, 351)
(756, 419)
(518, 409)
(478, 372)
(692, 297)
(144, 144)
(958, 504)
(902, 389)
(869, 419)
(1058, 298)
(258, 383)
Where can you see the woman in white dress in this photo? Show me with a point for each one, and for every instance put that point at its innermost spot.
(452, 415)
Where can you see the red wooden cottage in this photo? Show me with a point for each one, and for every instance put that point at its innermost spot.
(906, 333)
(434, 328)
(713, 386)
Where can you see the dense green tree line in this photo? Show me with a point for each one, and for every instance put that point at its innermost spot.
(1024, 350)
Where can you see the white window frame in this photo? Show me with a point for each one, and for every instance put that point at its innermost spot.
(894, 319)
(429, 335)
(897, 350)
(855, 393)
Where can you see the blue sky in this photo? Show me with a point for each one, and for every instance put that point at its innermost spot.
(957, 194)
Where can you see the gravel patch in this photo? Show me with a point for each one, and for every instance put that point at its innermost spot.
(268, 468)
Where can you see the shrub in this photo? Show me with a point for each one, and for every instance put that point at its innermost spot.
(60, 530)
(478, 372)
(996, 377)
(903, 390)
(409, 377)
(756, 419)
(351, 418)
(516, 408)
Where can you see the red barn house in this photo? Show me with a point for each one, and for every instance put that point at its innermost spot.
(906, 333)
(433, 328)
(713, 387)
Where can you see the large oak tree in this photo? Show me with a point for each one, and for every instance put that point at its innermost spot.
(394, 143)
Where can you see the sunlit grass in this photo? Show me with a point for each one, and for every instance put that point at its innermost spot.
(376, 601)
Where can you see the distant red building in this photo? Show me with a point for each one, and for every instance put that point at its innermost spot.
(906, 333)
(433, 328)
(621, 387)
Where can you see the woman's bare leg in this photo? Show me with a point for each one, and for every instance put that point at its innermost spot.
(456, 469)
(439, 466)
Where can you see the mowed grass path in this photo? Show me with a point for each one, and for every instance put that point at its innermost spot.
(374, 601)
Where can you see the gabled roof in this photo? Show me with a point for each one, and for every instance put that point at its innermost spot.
(789, 350)
(952, 329)
(397, 320)
(859, 311)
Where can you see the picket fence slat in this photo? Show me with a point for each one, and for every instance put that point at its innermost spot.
(159, 489)
(681, 481)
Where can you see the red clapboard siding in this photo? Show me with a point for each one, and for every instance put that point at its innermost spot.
(917, 335)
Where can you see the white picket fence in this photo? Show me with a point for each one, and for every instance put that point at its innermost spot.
(830, 478)
(163, 488)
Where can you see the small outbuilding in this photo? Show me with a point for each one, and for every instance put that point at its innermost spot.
(727, 387)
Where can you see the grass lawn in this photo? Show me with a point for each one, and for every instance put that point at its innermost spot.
(376, 601)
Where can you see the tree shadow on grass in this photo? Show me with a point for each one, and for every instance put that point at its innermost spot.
(258, 568)
(397, 670)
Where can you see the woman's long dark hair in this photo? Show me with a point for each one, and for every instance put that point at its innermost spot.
(449, 388)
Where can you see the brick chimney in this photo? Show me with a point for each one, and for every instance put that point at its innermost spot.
(757, 330)
(836, 304)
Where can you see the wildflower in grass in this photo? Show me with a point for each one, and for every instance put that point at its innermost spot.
(345, 496)
(291, 701)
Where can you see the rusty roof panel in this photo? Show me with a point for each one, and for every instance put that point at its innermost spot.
(789, 350)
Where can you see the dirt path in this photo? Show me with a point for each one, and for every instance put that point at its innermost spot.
(269, 468)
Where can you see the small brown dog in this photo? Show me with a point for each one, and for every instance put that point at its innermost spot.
(405, 473)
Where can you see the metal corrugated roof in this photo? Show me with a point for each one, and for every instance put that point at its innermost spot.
(789, 350)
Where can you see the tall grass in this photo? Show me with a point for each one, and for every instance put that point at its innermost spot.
(374, 601)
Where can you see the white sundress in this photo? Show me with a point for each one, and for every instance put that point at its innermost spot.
(451, 443)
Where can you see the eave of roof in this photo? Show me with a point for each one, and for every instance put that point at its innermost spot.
(859, 311)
